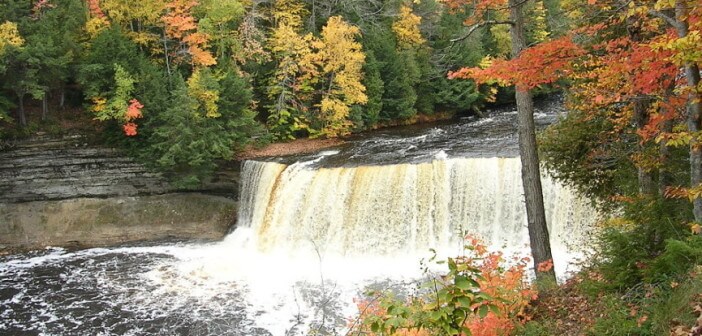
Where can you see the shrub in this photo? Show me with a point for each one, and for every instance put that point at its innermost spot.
(479, 295)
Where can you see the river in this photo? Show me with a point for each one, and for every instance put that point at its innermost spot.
(314, 233)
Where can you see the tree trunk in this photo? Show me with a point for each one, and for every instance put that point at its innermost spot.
(165, 54)
(45, 106)
(694, 111)
(531, 176)
(62, 98)
(22, 115)
(641, 117)
(664, 177)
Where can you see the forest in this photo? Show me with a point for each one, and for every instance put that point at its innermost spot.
(183, 84)
(188, 83)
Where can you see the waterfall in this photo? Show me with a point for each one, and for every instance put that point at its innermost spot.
(401, 209)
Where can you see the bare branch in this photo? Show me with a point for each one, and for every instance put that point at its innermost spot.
(671, 21)
(476, 26)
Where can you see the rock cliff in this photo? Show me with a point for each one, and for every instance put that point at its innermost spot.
(45, 168)
(65, 191)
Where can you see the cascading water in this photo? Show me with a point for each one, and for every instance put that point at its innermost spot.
(313, 233)
(401, 209)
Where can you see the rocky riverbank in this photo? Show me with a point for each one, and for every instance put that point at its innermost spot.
(65, 192)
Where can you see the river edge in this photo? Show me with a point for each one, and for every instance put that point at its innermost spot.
(81, 223)
(303, 146)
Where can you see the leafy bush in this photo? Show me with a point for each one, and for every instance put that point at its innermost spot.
(478, 295)
(630, 244)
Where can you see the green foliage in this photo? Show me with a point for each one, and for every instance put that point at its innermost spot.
(445, 309)
(678, 258)
(574, 153)
(186, 143)
(617, 320)
(399, 73)
(673, 306)
(637, 249)
(115, 52)
(97, 69)
(117, 100)
(365, 117)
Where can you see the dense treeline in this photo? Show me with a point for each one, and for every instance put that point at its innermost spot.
(190, 82)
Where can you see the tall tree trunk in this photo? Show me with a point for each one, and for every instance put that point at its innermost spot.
(641, 118)
(22, 115)
(165, 54)
(45, 106)
(664, 177)
(62, 97)
(694, 111)
(641, 115)
(531, 176)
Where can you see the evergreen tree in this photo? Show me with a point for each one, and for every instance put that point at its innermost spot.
(399, 73)
(367, 116)
(187, 142)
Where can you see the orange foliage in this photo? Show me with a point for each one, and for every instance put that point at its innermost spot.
(542, 64)
(134, 110)
(130, 129)
(181, 25)
(94, 8)
(179, 22)
(506, 285)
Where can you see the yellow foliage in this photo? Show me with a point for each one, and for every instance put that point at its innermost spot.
(406, 28)
(500, 33)
(537, 19)
(95, 25)
(144, 38)
(292, 50)
(289, 12)
(341, 59)
(617, 222)
(99, 104)
(205, 98)
(9, 36)
(295, 72)
(335, 113)
(147, 12)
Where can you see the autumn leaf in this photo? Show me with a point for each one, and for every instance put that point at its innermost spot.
(406, 28)
(134, 110)
(130, 129)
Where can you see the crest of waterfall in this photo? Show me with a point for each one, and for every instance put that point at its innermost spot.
(401, 209)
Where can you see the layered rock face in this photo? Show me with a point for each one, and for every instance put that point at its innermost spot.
(45, 168)
(64, 191)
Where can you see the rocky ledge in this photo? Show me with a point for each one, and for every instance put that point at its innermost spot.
(66, 192)
(45, 168)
